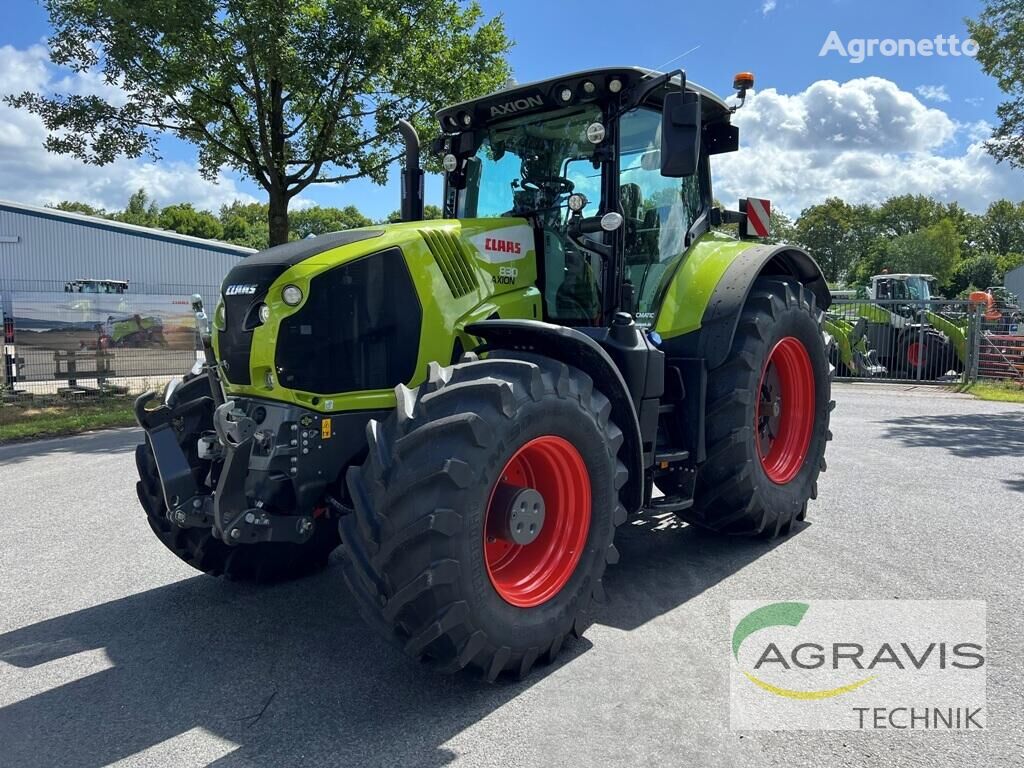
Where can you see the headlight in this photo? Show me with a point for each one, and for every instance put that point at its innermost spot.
(264, 313)
(220, 317)
(292, 295)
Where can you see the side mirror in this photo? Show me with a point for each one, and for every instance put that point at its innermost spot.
(680, 135)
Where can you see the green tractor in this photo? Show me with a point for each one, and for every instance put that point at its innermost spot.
(909, 339)
(471, 406)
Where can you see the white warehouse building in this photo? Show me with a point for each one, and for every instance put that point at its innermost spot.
(41, 249)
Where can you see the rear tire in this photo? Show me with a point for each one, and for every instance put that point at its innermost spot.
(929, 355)
(749, 483)
(418, 548)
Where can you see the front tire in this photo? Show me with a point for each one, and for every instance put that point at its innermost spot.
(767, 417)
(426, 553)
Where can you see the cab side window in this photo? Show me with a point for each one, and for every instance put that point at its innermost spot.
(658, 210)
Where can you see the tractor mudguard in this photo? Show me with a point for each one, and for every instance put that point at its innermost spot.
(574, 348)
(712, 340)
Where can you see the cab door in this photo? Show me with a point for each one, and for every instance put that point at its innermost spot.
(658, 211)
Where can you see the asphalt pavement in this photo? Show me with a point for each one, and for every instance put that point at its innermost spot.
(113, 651)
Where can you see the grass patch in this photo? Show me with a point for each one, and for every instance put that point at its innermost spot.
(53, 417)
(1003, 391)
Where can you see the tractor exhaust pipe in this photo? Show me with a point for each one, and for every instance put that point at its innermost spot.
(412, 175)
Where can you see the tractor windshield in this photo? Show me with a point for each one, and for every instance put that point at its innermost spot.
(919, 288)
(529, 167)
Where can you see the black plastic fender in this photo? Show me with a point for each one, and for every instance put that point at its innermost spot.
(580, 351)
(721, 317)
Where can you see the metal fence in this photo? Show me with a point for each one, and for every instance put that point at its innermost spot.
(75, 343)
(934, 341)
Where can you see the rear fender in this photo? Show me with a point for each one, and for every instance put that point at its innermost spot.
(573, 348)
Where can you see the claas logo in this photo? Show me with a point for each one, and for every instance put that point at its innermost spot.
(495, 245)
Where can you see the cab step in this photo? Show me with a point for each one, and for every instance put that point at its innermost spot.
(663, 460)
(670, 504)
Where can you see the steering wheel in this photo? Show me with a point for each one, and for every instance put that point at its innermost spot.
(557, 184)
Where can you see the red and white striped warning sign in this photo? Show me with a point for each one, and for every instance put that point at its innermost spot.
(758, 217)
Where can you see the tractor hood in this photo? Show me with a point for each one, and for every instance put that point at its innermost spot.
(246, 286)
(367, 309)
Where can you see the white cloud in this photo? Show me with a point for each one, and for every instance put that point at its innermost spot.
(30, 174)
(863, 140)
(768, 6)
(932, 92)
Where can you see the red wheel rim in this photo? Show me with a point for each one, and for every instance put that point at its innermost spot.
(531, 574)
(784, 418)
(914, 354)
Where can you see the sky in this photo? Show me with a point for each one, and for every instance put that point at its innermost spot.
(816, 125)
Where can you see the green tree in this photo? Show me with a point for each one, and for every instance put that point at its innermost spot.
(186, 220)
(73, 206)
(780, 227)
(1007, 263)
(141, 210)
(429, 212)
(906, 214)
(999, 32)
(979, 271)
(245, 224)
(1001, 229)
(826, 230)
(287, 92)
(933, 250)
(317, 220)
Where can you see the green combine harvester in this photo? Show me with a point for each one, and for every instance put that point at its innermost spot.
(471, 406)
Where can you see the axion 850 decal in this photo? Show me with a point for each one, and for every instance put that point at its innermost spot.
(499, 246)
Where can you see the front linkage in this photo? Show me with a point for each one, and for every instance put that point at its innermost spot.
(225, 508)
(248, 471)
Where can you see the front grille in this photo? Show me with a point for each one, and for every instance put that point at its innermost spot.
(453, 259)
(235, 341)
(358, 330)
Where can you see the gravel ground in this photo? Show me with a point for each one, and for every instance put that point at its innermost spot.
(112, 650)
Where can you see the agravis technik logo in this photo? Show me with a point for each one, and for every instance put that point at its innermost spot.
(870, 665)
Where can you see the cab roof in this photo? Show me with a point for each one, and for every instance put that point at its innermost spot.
(903, 275)
(543, 95)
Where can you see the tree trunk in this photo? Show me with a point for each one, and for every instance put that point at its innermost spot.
(278, 217)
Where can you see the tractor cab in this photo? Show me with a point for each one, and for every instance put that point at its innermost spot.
(903, 287)
(610, 170)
